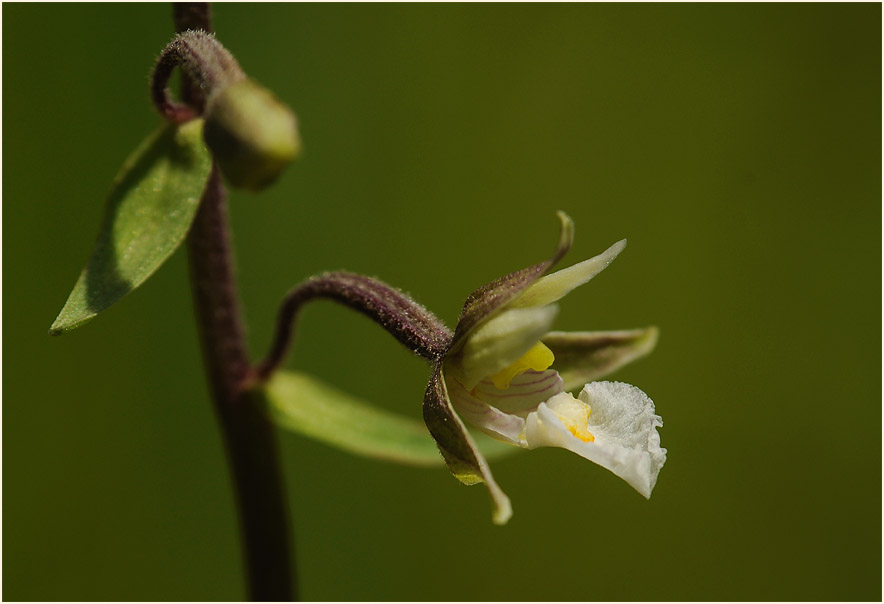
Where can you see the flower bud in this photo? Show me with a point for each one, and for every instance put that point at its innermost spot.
(251, 134)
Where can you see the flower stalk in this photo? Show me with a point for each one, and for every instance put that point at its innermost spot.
(411, 324)
(248, 434)
(202, 60)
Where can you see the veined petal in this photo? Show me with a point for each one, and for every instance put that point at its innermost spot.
(582, 357)
(501, 341)
(488, 418)
(458, 448)
(526, 391)
(622, 431)
(554, 286)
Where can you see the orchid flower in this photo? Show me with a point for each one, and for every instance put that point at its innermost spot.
(502, 370)
(509, 376)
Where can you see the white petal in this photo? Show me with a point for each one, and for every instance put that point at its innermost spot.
(501, 341)
(624, 425)
(554, 286)
(525, 392)
(491, 420)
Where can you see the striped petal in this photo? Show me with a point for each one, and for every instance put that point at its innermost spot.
(488, 418)
(525, 392)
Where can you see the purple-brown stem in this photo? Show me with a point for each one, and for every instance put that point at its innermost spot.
(248, 434)
(410, 323)
(192, 15)
(203, 60)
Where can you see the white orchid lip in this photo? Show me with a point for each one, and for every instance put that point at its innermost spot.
(612, 424)
(623, 426)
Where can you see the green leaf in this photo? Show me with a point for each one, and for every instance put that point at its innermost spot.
(151, 205)
(306, 405)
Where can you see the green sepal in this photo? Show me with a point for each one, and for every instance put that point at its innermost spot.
(484, 302)
(148, 213)
(461, 453)
(310, 407)
(582, 357)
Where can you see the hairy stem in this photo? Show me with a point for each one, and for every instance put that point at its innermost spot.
(203, 60)
(410, 323)
(248, 434)
(192, 15)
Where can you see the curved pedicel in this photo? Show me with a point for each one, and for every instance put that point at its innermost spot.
(411, 324)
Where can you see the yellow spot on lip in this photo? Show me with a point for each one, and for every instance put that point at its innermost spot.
(538, 358)
(577, 422)
(583, 434)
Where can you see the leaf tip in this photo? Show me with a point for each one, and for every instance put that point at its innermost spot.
(58, 326)
(63, 324)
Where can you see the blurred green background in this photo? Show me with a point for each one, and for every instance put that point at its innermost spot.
(736, 146)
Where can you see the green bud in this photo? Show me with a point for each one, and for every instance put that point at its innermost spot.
(251, 133)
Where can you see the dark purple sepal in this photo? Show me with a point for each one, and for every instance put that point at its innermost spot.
(488, 299)
(458, 448)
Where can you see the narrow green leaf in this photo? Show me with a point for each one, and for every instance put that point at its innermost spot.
(151, 205)
(306, 405)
